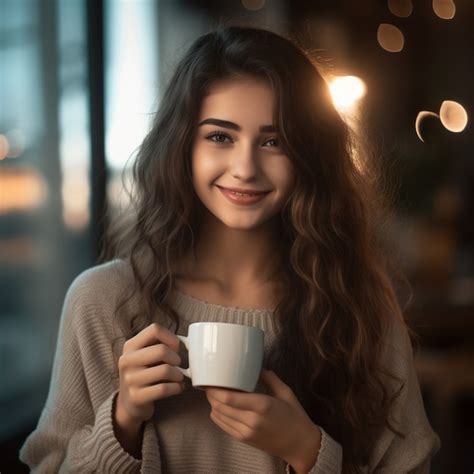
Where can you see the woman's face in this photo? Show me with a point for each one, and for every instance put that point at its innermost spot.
(238, 154)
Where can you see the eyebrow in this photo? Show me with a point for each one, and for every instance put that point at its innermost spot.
(234, 126)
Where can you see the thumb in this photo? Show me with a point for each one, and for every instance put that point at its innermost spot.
(276, 385)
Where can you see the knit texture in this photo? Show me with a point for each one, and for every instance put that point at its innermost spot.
(75, 431)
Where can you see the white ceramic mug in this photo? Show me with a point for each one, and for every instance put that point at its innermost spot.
(223, 355)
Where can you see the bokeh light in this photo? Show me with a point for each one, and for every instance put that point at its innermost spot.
(346, 91)
(400, 8)
(21, 189)
(75, 192)
(4, 146)
(13, 144)
(444, 9)
(424, 116)
(453, 116)
(253, 4)
(390, 38)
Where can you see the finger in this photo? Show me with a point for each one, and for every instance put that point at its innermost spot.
(160, 373)
(153, 355)
(278, 388)
(151, 335)
(159, 391)
(243, 417)
(225, 424)
(237, 399)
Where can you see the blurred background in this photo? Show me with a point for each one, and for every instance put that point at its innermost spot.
(79, 81)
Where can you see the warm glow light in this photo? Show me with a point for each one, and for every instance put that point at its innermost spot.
(346, 91)
(390, 38)
(401, 8)
(445, 9)
(21, 189)
(253, 4)
(419, 120)
(4, 147)
(453, 116)
(75, 194)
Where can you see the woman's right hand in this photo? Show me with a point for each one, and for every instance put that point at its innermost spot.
(147, 372)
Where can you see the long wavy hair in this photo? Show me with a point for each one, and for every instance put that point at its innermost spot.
(339, 295)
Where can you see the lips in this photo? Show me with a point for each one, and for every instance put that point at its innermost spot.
(242, 200)
(244, 191)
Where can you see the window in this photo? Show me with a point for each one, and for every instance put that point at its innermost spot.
(44, 192)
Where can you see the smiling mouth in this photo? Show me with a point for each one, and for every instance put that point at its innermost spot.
(242, 192)
(242, 199)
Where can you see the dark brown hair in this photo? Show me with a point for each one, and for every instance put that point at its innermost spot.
(339, 299)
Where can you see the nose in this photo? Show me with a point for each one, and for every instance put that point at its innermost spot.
(245, 161)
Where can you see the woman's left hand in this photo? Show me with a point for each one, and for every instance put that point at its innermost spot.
(277, 424)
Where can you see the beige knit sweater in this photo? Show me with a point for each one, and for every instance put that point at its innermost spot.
(75, 432)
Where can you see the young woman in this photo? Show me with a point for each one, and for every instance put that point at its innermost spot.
(305, 260)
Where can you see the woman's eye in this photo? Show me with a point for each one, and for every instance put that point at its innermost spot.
(273, 140)
(216, 134)
(219, 137)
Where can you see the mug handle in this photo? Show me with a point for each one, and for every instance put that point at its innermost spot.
(186, 372)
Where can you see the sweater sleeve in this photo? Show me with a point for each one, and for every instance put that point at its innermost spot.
(413, 453)
(329, 458)
(75, 432)
(392, 453)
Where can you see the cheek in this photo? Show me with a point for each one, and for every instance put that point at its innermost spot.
(289, 179)
(203, 170)
(283, 178)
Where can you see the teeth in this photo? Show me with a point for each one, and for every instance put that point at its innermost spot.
(243, 194)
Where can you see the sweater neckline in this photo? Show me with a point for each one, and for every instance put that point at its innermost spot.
(186, 298)
(194, 310)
